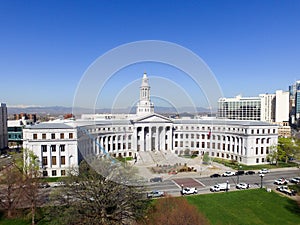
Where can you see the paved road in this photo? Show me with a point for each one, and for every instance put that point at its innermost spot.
(172, 186)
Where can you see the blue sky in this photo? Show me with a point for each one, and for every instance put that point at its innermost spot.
(252, 47)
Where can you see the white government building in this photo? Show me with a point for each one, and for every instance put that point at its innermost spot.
(61, 145)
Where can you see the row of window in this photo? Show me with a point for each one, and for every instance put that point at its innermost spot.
(193, 144)
(53, 160)
(54, 173)
(54, 136)
(44, 148)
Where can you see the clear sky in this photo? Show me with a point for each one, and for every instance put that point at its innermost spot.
(251, 46)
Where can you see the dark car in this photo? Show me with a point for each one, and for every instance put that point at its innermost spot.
(215, 175)
(156, 179)
(240, 172)
(250, 172)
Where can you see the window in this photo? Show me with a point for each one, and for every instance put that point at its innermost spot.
(63, 160)
(257, 160)
(62, 148)
(53, 160)
(176, 136)
(53, 148)
(70, 135)
(53, 172)
(256, 150)
(35, 136)
(43, 136)
(45, 161)
(44, 148)
(52, 136)
(62, 135)
(262, 150)
(63, 172)
(45, 173)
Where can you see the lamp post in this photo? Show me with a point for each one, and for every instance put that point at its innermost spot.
(261, 180)
(227, 186)
(238, 173)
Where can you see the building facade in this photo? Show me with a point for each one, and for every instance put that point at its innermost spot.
(247, 142)
(3, 127)
(240, 108)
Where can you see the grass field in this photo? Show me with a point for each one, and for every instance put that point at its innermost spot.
(247, 207)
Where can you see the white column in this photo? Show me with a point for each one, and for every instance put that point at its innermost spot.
(163, 140)
(143, 139)
(150, 138)
(157, 138)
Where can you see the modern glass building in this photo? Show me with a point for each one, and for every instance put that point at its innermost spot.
(240, 108)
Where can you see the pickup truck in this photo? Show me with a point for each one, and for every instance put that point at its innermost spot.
(155, 194)
(189, 191)
(281, 181)
(285, 190)
(220, 187)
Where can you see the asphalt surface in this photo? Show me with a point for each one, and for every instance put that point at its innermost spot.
(172, 186)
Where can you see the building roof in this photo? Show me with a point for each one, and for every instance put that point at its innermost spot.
(49, 126)
(223, 122)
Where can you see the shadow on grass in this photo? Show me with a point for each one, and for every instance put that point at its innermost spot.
(293, 206)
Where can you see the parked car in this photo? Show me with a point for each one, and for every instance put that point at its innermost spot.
(242, 186)
(295, 180)
(228, 174)
(240, 172)
(44, 185)
(264, 171)
(189, 191)
(215, 175)
(281, 181)
(155, 194)
(59, 184)
(286, 190)
(250, 172)
(156, 179)
(220, 187)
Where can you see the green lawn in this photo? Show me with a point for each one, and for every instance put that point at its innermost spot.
(247, 207)
(234, 165)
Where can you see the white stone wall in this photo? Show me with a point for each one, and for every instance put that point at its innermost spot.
(68, 153)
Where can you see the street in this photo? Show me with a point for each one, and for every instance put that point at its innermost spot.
(172, 186)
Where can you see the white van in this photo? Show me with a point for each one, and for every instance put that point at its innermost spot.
(220, 187)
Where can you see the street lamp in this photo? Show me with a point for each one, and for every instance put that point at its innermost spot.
(227, 186)
(238, 173)
(261, 180)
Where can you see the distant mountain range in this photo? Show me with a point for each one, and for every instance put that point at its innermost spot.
(61, 110)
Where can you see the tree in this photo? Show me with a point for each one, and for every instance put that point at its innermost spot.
(206, 158)
(287, 147)
(11, 189)
(31, 174)
(173, 211)
(101, 193)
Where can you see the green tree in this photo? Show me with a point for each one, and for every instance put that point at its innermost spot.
(287, 147)
(206, 158)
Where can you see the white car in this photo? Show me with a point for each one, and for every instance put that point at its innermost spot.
(264, 171)
(242, 186)
(228, 174)
(220, 187)
(281, 181)
(189, 191)
(155, 194)
(295, 180)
